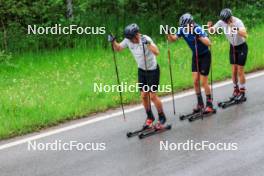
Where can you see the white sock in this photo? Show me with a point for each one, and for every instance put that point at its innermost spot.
(242, 86)
(235, 85)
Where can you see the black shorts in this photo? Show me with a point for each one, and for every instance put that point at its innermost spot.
(149, 80)
(240, 56)
(204, 62)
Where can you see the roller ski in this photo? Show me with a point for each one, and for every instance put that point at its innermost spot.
(231, 102)
(208, 111)
(159, 127)
(191, 115)
(238, 97)
(195, 112)
(148, 125)
(200, 112)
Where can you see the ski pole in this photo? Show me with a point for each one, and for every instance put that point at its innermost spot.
(171, 79)
(234, 59)
(211, 75)
(118, 82)
(146, 70)
(197, 66)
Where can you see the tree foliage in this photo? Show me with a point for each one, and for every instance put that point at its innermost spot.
(15, 15)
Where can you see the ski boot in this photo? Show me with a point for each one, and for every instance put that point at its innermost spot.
(209, 107)
(199, 108)
(241, 97)
(162, 120)
(235, 93)
(148, 123)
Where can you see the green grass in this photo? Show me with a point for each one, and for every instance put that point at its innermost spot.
(42, 89)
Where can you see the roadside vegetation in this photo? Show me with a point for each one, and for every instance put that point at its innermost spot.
(42, 89)
(48, 79)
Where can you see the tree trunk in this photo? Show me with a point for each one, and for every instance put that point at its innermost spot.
(69, 13)
(4, 36)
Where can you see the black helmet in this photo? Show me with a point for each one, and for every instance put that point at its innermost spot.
(185, 19)
(225, 14)
(131, 31)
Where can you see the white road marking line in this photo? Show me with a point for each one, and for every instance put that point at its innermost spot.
(104, 117)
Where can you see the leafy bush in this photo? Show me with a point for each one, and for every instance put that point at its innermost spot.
(5, 57)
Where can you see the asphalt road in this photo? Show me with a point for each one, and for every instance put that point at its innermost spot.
(242, 124)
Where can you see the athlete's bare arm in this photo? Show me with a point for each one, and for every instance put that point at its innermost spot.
(242, 32)
(117, 46)
(153, 48)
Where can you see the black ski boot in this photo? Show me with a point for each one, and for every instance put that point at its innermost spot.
(199, 108)
(161, 122)
(209, 105)
(200, 104)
